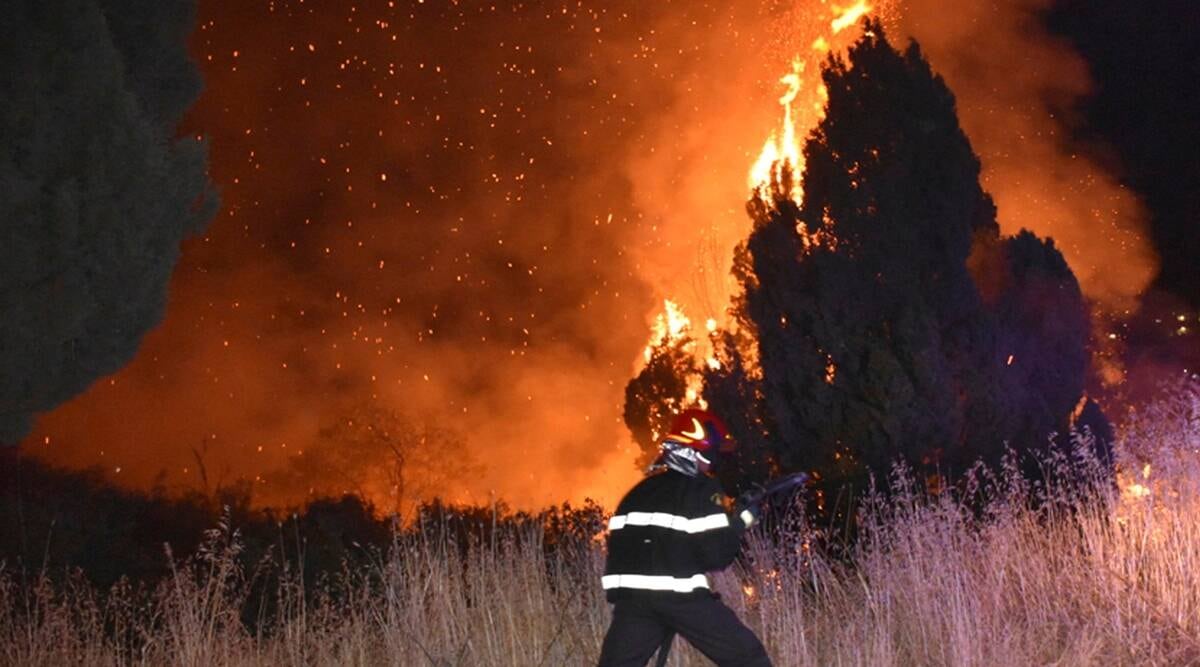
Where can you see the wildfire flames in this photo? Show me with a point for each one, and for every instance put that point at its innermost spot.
(781, 152)
(782, 149)
(672, 327)
(483, 236)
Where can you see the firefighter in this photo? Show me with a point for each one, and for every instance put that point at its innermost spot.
(667, 532)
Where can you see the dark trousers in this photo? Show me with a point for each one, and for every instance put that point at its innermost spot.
(639, 627)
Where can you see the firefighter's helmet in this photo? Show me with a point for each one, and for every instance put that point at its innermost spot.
(702, 431)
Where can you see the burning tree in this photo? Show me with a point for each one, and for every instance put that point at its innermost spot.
(882, 316)
(657, 393)
(892, 320)
(97, 191)
(668, 383)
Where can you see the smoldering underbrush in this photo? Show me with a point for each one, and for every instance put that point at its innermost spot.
(1075, 568)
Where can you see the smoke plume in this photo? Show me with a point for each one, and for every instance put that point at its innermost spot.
(471, 214)
(1018, 89)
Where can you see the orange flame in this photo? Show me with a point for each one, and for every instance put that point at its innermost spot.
(802, 99)
(670, 326)
(673, 326)
(849, 16)
(782, 149)
(830, 369)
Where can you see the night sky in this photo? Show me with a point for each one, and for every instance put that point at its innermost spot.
(472, 212)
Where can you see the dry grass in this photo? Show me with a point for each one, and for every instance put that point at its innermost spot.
(1114, 580)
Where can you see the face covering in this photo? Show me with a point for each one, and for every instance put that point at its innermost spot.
(682, 459)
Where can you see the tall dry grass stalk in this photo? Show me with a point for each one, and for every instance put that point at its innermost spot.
(1004, 573)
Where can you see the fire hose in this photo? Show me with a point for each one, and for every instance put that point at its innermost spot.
(760, 493)
(751, 498)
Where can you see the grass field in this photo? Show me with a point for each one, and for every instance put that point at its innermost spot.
(1111, 580)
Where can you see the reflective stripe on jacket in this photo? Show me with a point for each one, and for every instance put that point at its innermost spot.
(667, 532)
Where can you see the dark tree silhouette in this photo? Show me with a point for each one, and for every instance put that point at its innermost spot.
(892, 320)
(733, 390)
(97, 193)
(381, 455)
(867, 318)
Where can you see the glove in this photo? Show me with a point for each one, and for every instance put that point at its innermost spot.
(747, 507)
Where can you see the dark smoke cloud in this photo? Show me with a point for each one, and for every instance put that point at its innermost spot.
(95, 196)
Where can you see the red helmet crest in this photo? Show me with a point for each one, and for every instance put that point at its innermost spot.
(700, 430)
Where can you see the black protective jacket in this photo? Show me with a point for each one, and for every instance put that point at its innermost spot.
(667, 532)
